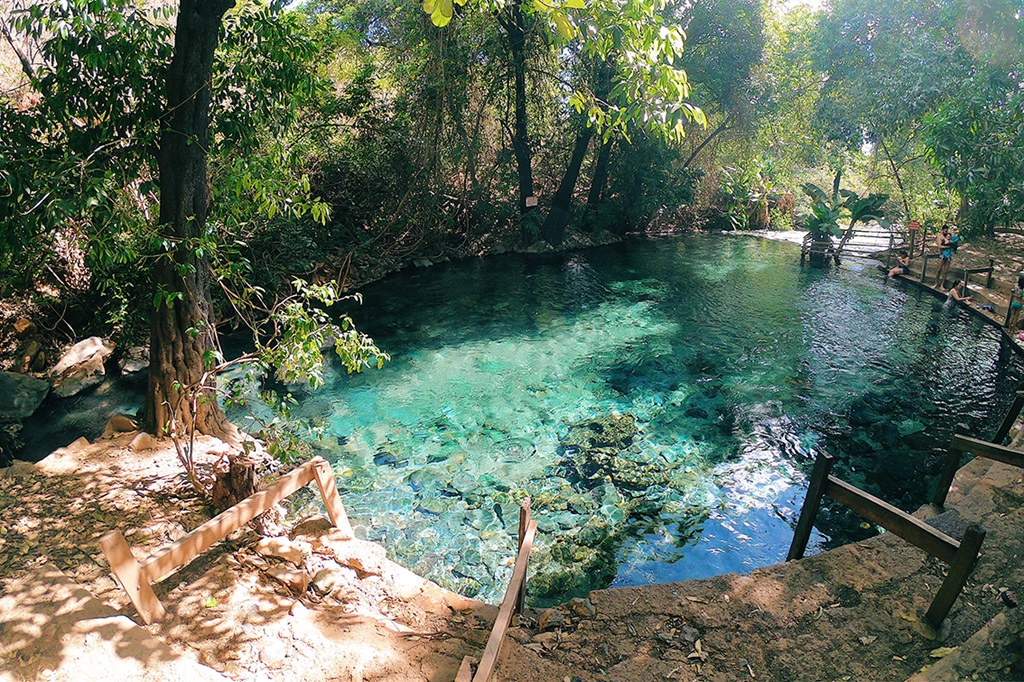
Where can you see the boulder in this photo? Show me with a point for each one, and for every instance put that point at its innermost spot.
(280, 547)
(31, 357)
(552, 619)
(119, 423)
(365, 558)
(25, 328)
(20, 395)
(20, 469)
(582, 608)
(294, 580)
(143, 441)
(136, 359)
(80, 368)
(330, 579)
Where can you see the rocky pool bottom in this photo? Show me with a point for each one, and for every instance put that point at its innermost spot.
(661, 403)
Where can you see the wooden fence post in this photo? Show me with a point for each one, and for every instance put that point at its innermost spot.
(324, 476)
(1011, 415)
(959, 569)
(948, 472)
(134, 581)
(524, 522)
(815, 489)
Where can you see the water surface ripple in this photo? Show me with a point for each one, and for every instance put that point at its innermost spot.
(731, 363)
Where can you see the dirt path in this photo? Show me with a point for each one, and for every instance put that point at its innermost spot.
(227, 613)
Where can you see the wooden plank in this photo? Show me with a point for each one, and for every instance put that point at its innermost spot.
(188, 548)
(131, 576)
(466, 669)
(812, 502)
(489, 660)
(914, 531)
(949, 470)
(983, 448)
(329, 493)
(1015, 406)
(524, 521)
(959, 570)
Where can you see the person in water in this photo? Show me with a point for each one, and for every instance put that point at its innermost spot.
(945, 243)
(953, 296)
(902, 265)
(1016, 303)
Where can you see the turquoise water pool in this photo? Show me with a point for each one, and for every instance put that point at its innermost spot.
(660, 402)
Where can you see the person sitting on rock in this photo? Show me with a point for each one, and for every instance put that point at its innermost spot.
(902, 265)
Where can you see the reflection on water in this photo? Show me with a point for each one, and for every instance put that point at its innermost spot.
(720, 365)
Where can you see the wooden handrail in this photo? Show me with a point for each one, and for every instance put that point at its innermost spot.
(1015, 407)
(137, 579)
(961, 556)
(894, 520)
(509, 605)
(961, 445)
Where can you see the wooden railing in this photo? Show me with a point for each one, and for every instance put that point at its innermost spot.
(961, 556)
(924, 264)
(1011, 416)
(962, 445)
(974, 271)
(511, 604)
(137, 579)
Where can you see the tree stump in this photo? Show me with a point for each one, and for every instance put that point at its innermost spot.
(235, 481)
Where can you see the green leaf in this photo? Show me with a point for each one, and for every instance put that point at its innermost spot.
(565, 27)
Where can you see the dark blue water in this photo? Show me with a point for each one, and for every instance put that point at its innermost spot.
(732, 364)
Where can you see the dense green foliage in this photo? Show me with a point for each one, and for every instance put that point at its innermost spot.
(351, 137)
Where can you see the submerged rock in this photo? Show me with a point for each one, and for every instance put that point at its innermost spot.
(615, 431)
(387, 459)
(861, 413)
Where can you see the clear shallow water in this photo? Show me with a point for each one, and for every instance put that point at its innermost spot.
(732, 364)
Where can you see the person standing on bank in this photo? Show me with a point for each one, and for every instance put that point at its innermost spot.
(945, 244)
(1016, 303)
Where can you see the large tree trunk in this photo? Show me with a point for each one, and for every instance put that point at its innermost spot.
(553, 230)
(183, 330)
(514, 23)
(597, 184)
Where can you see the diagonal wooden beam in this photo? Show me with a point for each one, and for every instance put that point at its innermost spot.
(131, 576)
(489, 660)
(894, 520)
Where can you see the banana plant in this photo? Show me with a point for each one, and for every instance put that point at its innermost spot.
(828, 209)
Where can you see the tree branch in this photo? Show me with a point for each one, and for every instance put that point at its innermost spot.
(26, 65)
